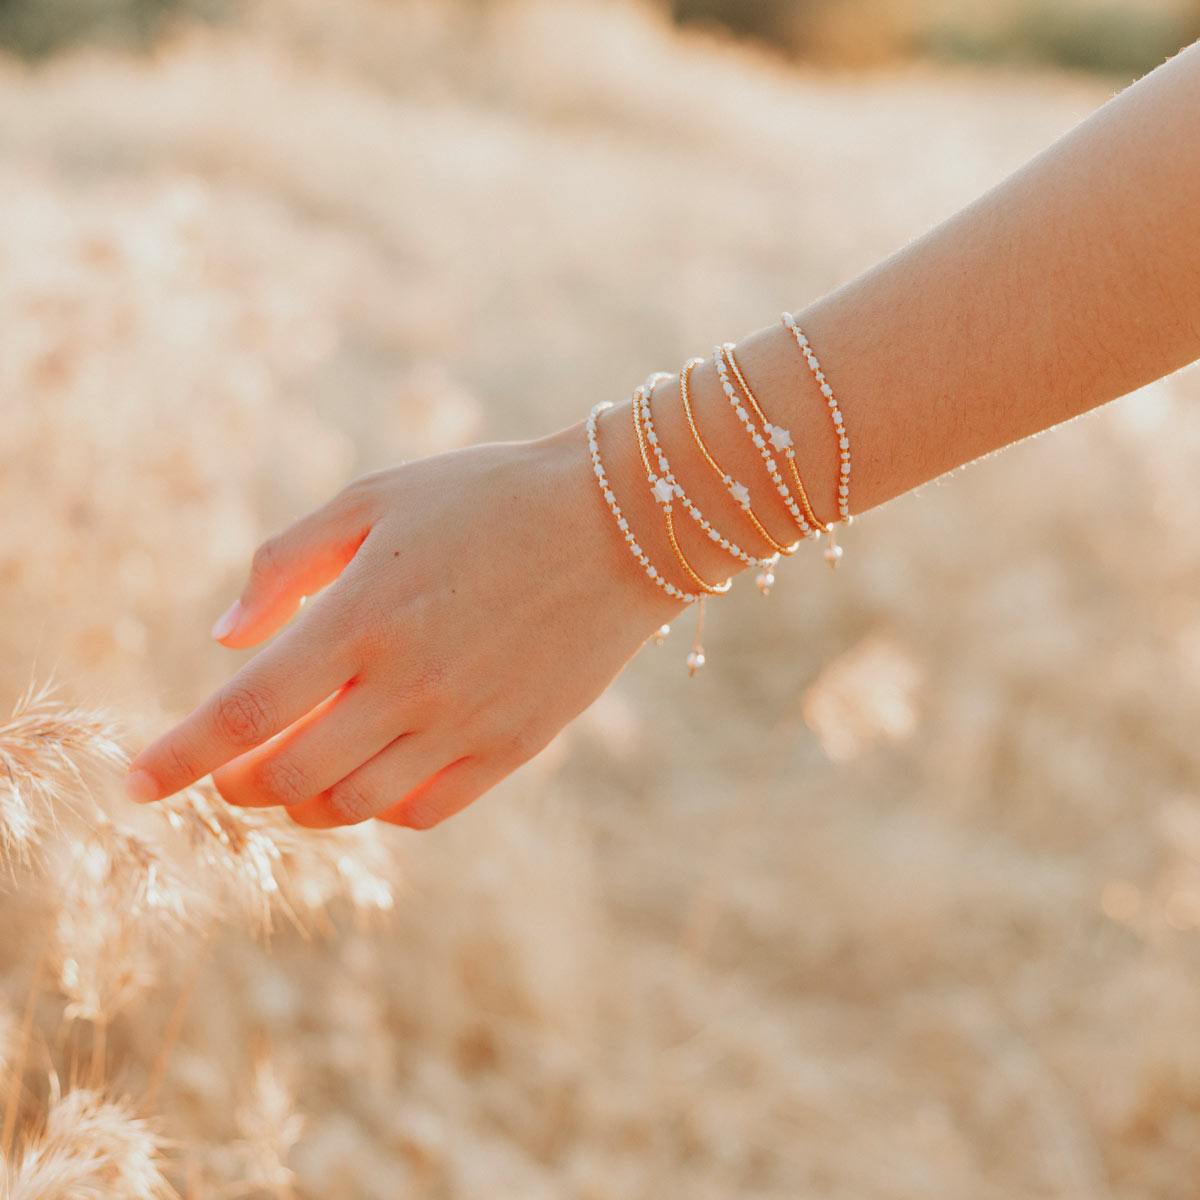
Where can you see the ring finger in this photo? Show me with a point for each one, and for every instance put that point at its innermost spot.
(311, 755)
(375, 786)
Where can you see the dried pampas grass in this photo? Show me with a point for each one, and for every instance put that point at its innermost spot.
(88, 1148)
(47, 748)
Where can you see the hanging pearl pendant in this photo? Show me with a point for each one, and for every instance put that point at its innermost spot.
(833, 552)
(764, 581)
(660, 634)
(695, 660)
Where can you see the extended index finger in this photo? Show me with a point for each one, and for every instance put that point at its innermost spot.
(276, 687)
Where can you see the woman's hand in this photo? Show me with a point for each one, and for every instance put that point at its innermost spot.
(479, 601)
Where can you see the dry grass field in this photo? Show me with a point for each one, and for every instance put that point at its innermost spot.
(898, 899)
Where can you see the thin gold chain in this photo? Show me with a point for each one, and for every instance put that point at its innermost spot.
(726, 478)
(767, 424)
(712, 589)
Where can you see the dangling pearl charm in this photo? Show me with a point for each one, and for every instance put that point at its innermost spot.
(695, 660)
(660, 634)
(765, 580)
(833, 551)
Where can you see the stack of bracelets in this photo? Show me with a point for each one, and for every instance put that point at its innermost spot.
(773, 443)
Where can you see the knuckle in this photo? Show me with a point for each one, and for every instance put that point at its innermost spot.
(358, 495)
(182, 765)
(427, 685)
(513, 743)
(265, 560)
(283, 781)
(244, 716)
(350, 803)
(372, 625)
(421, 816)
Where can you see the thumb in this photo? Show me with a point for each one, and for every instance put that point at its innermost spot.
(291, 565)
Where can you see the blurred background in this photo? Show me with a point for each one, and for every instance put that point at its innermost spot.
(899, 897)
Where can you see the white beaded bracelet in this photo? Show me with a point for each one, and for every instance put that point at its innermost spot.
(642, 398)
(622, 524)
(761, 443)
(835, 413)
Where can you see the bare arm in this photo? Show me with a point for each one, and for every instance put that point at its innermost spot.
(481, 599)
(1072, 282)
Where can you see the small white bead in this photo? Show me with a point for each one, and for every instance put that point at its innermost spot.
(844, 443)
(837, 416)
(826, 390)
(622, 523)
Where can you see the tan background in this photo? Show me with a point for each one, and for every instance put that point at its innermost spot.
(897, 899)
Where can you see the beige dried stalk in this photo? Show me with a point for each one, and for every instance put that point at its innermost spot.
(47, 748)
(117, 897)
(88, 1147)
(267, 863)
(263, 863)
(269, 1127)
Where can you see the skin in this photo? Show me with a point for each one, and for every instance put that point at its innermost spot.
(473, 603)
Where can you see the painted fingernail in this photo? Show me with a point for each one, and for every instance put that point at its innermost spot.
(142, 787)
(227, 623)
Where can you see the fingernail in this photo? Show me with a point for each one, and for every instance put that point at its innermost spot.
(226, 625)
(141, 787)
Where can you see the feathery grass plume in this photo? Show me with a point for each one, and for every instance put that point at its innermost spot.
(268, 864)
(46, 748)
(269, 1127)
(119, 895)
(10, 1033)
(87, 1148)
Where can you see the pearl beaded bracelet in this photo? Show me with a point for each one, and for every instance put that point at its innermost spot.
(839, 425)
(738, 492)
(643, 418)
(777, 440)
(664, 489)
(695, 659)
(770, 441)
(780, 438)
(610, 498)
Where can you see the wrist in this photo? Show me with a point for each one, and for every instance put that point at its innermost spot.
(591, 534)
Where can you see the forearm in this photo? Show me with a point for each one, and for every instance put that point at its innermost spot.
(1072, 282)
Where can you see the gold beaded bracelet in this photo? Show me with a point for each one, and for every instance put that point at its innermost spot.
(738, 492)
(665, 490)
(834, 551)
(775, 433)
